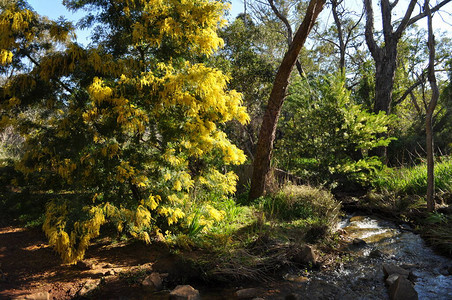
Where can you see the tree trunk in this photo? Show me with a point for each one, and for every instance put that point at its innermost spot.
(430, 164)
(384, 79)
(340, 35)
(261, 164)
(429, 112)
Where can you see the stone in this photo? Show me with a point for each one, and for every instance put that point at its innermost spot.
(88, 287)
(402, 289)
(247, 293)
(305, 256)
(153, 282)
(85, 265)
(450, 270)
(296, 278)
(391, 279)
(408, 266)
(184, 292)
(405, 227)
(389, 269)
(413, 276)
(35, 296)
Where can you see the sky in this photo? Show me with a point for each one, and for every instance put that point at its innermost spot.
(54, 9)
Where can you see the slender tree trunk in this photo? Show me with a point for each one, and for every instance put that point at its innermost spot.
(340, 34)
(430, 164)
(261, 164)
(429, 113)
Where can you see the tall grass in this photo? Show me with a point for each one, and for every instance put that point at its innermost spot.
(301, 202)
(413, 180)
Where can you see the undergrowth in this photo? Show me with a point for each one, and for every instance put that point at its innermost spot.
(255, 239)
(401, 191)
(413, 180)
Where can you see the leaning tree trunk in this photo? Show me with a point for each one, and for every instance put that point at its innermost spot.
(261, 164)
(429, 113)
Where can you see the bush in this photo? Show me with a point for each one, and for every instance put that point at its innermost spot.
(326, 137)
(294, 202)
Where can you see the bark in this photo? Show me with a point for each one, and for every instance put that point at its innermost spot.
(429, 113)
(261, 164)
(386, 66)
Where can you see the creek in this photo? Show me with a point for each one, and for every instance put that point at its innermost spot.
(375, 242)
(358, 272)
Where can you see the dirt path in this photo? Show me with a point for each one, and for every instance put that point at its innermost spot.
(29, 266)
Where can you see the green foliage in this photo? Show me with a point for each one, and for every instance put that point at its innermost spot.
(413, 180)
(246, 60)
(325, 136)
(253, 240)
(436, 218)
(439, 235)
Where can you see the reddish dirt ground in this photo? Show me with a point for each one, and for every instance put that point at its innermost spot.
(29, 266)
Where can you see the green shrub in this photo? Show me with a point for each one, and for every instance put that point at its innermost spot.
(294, 202)
(326, 137)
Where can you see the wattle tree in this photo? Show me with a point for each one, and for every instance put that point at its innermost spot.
(126, 131)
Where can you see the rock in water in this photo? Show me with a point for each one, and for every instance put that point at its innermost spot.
(392, 279)
(359, 242)
(402, 289)
(390, 269)
(184, 292)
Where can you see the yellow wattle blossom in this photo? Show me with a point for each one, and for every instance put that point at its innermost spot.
(138, 134)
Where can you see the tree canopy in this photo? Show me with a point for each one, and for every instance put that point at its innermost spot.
(130, 124)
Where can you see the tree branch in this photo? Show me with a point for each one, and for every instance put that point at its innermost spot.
(424, 14)
(369, 31)
(405, 20)
(409, 90)
(63, 85)
(289, 33)
(393, 4)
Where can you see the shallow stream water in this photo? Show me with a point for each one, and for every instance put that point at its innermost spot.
(387, 243)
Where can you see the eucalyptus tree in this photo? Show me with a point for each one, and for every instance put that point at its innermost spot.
(262, 159)
(385, 52)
